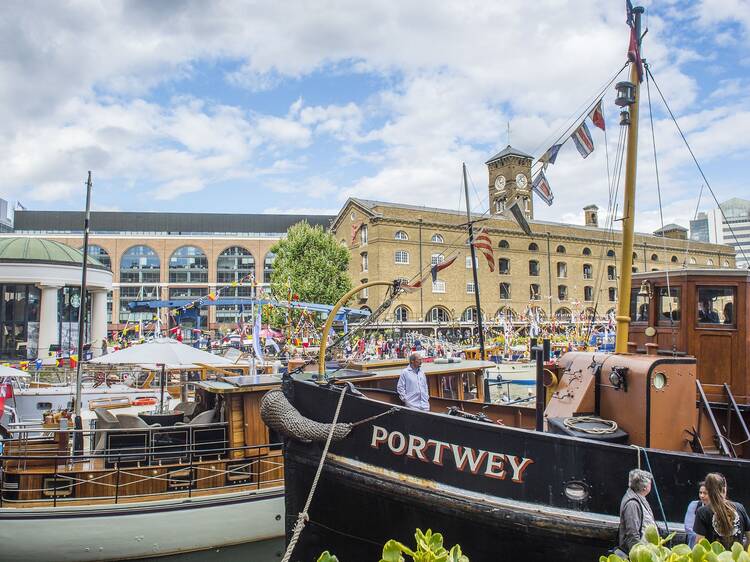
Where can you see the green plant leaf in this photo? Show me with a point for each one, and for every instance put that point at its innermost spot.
(717, 547)
(681, 549)
(699, 551)
(327, 557)
(652, 534)
(736, 550)
(392, 551)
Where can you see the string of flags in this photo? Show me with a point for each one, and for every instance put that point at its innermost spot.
(212, 296)
(583, 141)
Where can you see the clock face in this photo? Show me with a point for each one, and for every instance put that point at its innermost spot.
(521, 181)
(500, 182)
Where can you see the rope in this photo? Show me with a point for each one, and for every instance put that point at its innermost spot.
(302, 518)
(373, 418)
(573, 423)
(638, 449)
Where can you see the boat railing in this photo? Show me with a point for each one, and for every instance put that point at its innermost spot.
(722, 443)
(48, 475)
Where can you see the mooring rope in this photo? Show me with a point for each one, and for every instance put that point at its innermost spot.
(376, 416)
(302, 518)
(638, 449)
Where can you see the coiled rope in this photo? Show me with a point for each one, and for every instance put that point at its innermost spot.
(574, 423)
(302, 518)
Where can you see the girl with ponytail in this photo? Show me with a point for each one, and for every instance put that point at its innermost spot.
(721, 519)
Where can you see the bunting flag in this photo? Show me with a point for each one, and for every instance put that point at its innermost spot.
(583, 141)
(542, 189)
(355, 228)
(550, 156)
(518, 214)
(483, 243)
(597, 115)
(634, 49)
(440, 267)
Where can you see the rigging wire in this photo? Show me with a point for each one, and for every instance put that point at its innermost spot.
(695, 216)
(661, 215)
(697, 164)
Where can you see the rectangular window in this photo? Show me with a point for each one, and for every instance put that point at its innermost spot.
(470, 288)
(438, 286)
(505, 291)
(363, 234)
(468, 262)
(534, 294)
(588, 271)
(611, 273)
(402, 257)
(562, 292)
(612, 294)
(562, 269)
(437, 258)
(364, 261)
(534, 268)
(668, 307)
(503, 266)
(716, 305)
(364, 293)
(588, 294)
(639, 305)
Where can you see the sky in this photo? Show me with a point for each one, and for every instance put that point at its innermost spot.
(292, 107)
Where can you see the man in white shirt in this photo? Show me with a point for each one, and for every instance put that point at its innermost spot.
(412, 385)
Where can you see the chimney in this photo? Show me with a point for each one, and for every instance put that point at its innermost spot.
(591, 212)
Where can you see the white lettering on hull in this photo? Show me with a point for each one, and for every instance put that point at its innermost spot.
(489, 463)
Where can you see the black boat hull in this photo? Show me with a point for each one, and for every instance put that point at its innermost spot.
(518, 494)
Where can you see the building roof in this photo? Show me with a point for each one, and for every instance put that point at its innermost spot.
(38, 250)
(669, 228)
(509, 151)
(167, 223)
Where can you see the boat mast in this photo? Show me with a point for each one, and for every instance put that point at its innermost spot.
(82, 307)
(474, 266)
(626, 259)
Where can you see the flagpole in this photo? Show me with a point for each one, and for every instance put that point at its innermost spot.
(628, 220)
(82, 306)
(474, 268)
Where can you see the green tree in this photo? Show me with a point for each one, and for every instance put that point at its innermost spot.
(312, 263)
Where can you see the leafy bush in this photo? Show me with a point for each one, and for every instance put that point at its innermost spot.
(429, 549)
(655, 551)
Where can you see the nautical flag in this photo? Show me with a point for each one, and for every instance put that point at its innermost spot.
(256, 336)
(518, 214)
(634, 50)
(582, 138)
(483, 243)
(550, 156)
(440, 267)
(597, 115)
(542, 189)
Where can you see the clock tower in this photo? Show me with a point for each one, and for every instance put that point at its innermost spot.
(510, 179)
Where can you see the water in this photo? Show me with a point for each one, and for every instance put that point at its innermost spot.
(263, 551)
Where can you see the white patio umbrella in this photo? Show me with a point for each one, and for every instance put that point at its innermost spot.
(163, 352)
(11, 372)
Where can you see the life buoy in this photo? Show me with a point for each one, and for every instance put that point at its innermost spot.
(144, 401)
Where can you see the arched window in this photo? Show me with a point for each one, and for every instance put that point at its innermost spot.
(562, 292)
(507, 313)
(654, 257)
(635, 256)
(610, 253)
(140, 264)
(99, 253)
(710, 262)
(234, 264)
(437, 238)
(725, 264)
(470, 314)
(188, 264)
(438, 314)
(402, 257)
(268, 266)
(588, 293)
(533, 268)
(560, 249)
(401, 314)
(533, 247)
(503, 244)
(563, 314)
(587, 251)
(505, 291)
(401, 235)
(674, 259)
(534, 292)
(693, 261)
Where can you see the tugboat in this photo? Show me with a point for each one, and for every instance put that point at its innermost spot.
(671, 399)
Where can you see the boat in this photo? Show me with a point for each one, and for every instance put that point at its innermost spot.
(545, 481)
(134, 490)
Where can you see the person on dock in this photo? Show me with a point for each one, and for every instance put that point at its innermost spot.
(635, 511)
(721, 519)
(412, 385)
(692, 509)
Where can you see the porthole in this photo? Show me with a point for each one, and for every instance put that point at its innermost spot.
(660, 381)
(576, 491)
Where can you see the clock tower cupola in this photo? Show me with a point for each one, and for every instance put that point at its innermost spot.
(510, 179)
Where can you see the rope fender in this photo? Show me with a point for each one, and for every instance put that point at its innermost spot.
(279, 414)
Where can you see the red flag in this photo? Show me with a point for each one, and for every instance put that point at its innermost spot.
(440, 267)
(597, 116)
(411, 287)
(483, 243)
